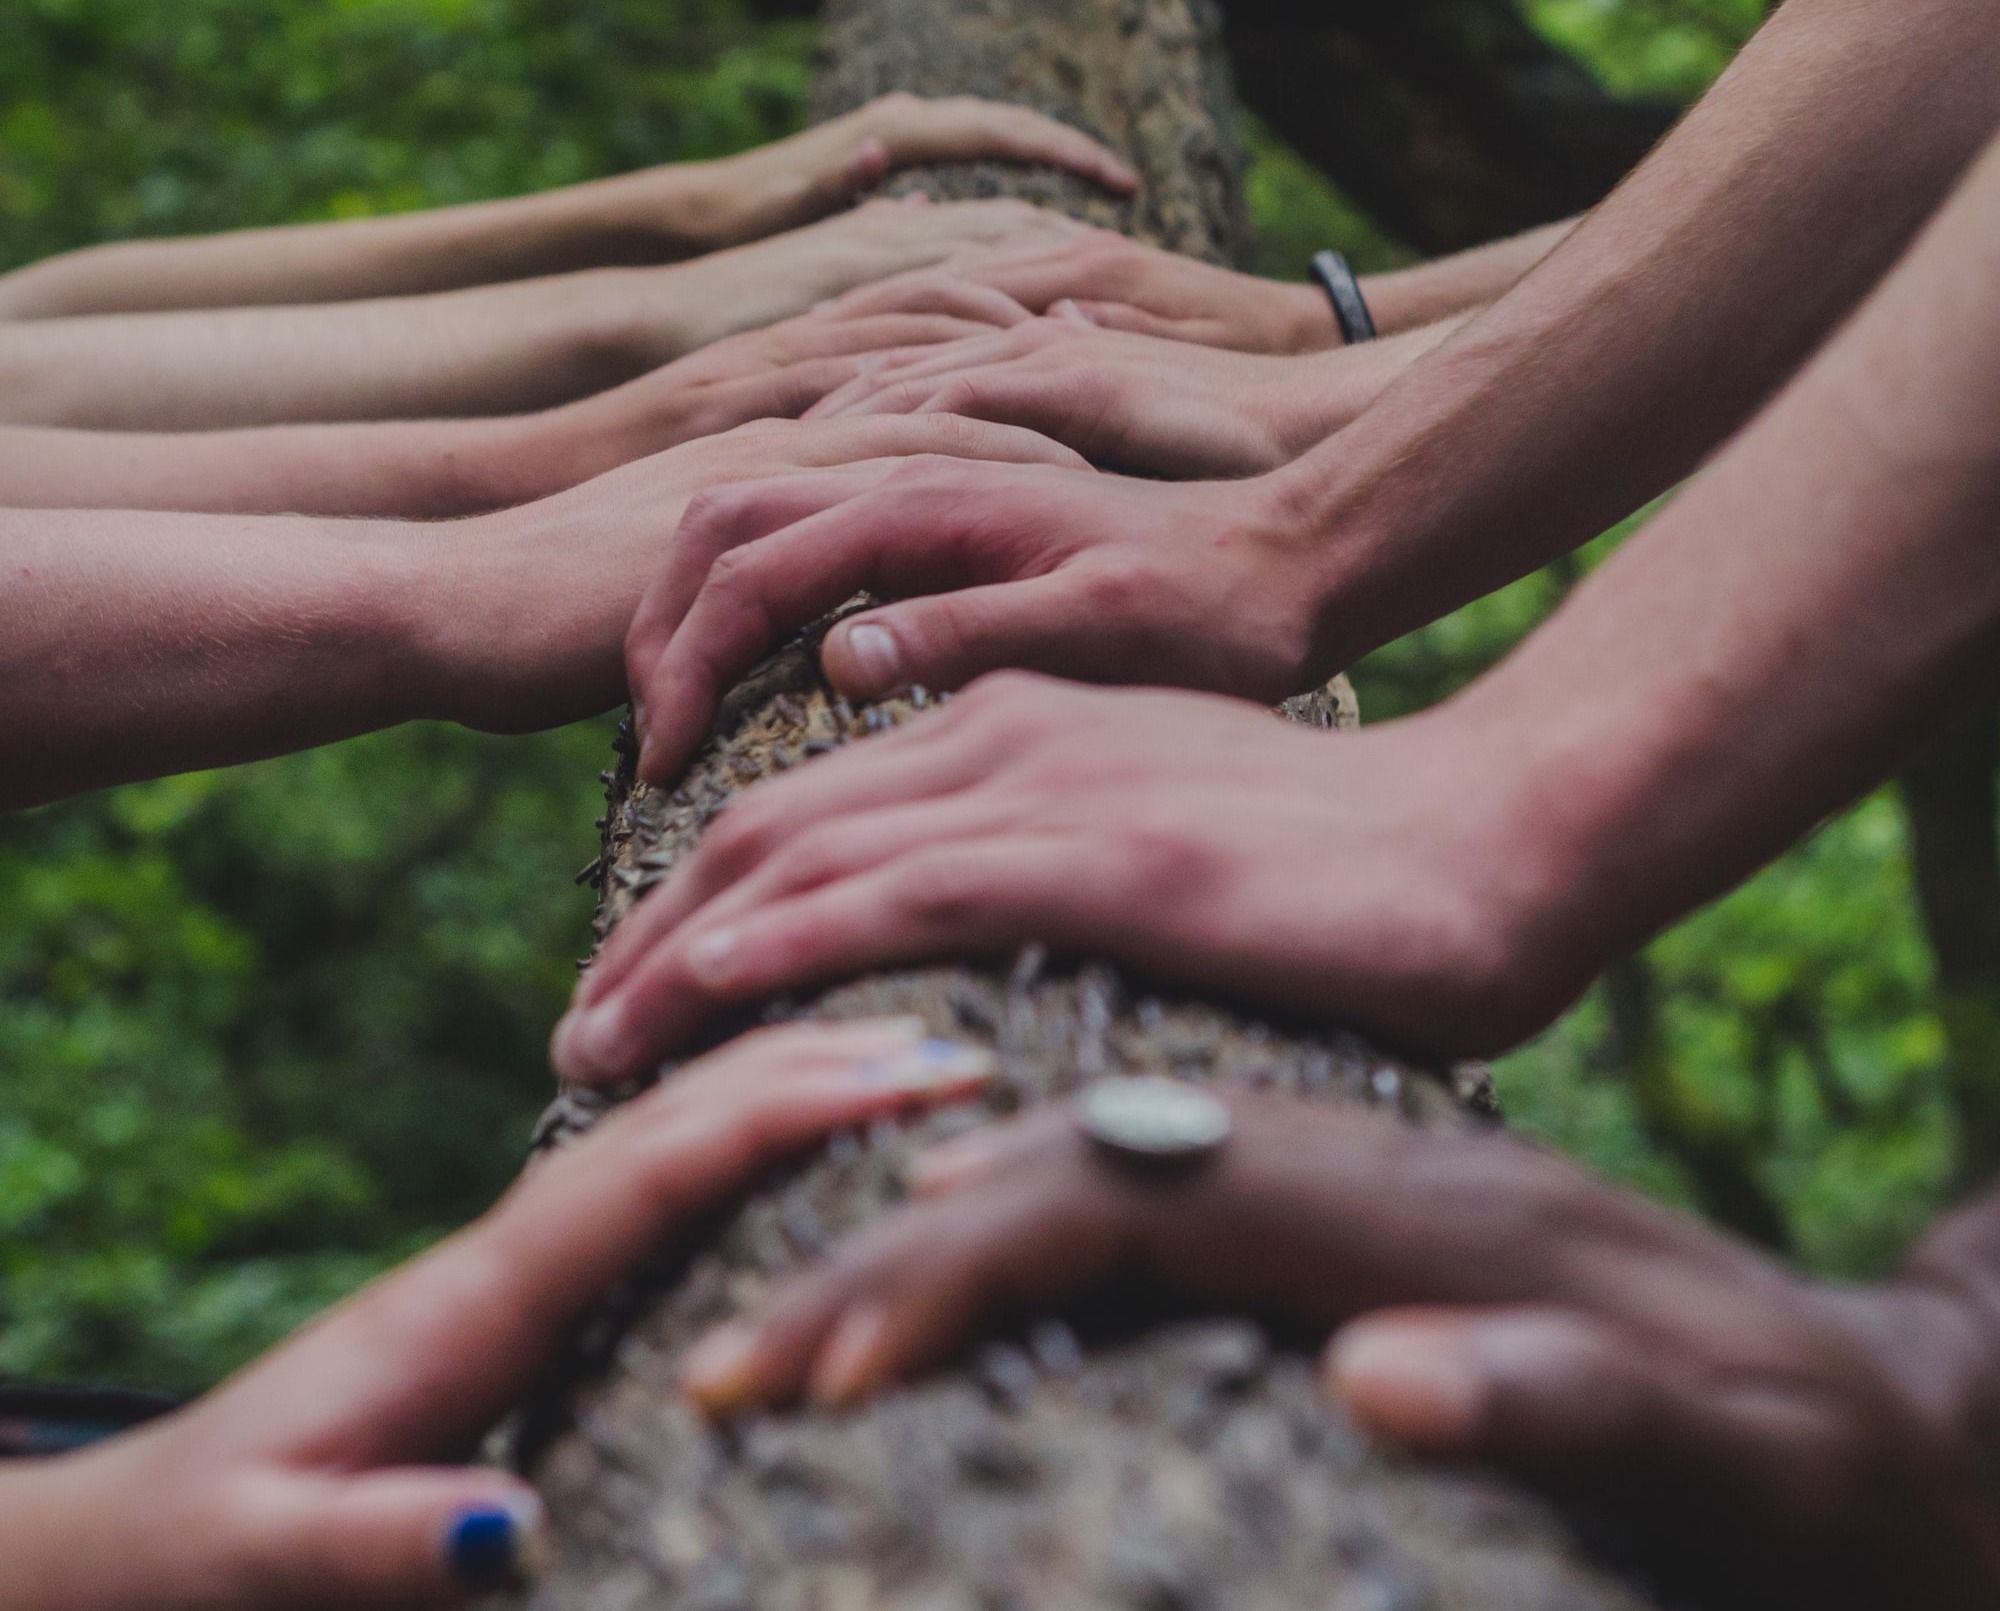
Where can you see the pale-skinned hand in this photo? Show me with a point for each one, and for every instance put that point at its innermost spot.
(1134, 403)
(666, 312)
(777, 372)
(1350, 876)
(1779, 1441)
(1110, 280)
(323, 1476)
(518, 617)
(779, 186)
(1211, 585)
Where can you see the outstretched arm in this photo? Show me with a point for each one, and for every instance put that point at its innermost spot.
(136, 644)
(497, 349)
(656, 216)
(1113, 282)
(1641, 343)
(1772, 643)
(429, 469)
(328, 1475)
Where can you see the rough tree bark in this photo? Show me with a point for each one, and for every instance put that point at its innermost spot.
(1116, 1466)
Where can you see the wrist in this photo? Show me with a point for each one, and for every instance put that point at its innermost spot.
(1307, 317)
(516, 621)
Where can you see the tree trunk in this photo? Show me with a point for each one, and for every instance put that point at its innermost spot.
(1120, 1466)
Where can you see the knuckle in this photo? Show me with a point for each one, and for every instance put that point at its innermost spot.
(939, 891)
(1115, 593)
(712, 510)
(743, 834)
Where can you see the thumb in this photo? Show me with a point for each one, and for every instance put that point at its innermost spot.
(413, 1537)
(944, 640)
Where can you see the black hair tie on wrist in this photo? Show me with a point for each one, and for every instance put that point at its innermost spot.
(1350, 309)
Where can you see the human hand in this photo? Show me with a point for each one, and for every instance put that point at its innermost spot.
(1214, 585)
(776, 372)
(1127, 402)
(1783, 1439)
(1347, 876)
(687, 305)
(790, 182)
(1110, 280)
(317, 1477)
(517, 618)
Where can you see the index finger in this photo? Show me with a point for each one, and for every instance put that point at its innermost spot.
(961, 128)
(426, 1358)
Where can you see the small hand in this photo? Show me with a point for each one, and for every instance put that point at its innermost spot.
(1127, 402)
(779, 186)
(690, 304)
(320, 1476)
(1203, 585)
(777, 372)
(1810, 1445)
(521, 623)
(1116, 283)
(1203, 840)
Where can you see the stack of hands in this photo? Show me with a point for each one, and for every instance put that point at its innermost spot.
(660, 467)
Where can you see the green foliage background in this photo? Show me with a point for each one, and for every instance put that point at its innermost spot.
(265, 1031)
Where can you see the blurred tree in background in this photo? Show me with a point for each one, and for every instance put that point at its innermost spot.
(267, 1030)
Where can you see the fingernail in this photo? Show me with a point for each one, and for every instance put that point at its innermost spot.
(709, 957)
(1421, 1385)
(491, 1546)
(873, 650)
(588, 1040)
(931, 1065)
(1119, 174)
(846, 1366)
(938, 1170)
(720, 1372)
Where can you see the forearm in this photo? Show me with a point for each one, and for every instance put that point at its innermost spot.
(1326, 393)
(635, 219)
(133, 645)
(1791, 626)
(408, 469)
(1664, 320)
(1407, 299)
(495, 350)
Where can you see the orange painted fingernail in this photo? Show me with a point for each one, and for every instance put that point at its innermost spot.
(1418, 1384)
(720, 1371)
(846, 1366)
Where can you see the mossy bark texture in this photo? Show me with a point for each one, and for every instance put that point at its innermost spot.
(1081, 1463)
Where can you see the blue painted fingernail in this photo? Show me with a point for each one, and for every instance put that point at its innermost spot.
(485, 1547)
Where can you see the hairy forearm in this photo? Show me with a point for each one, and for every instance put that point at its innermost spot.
(137, 644)
(1792, 625)
(1664, 319)
(635, 219)
(495, 350)
(1407, 299)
